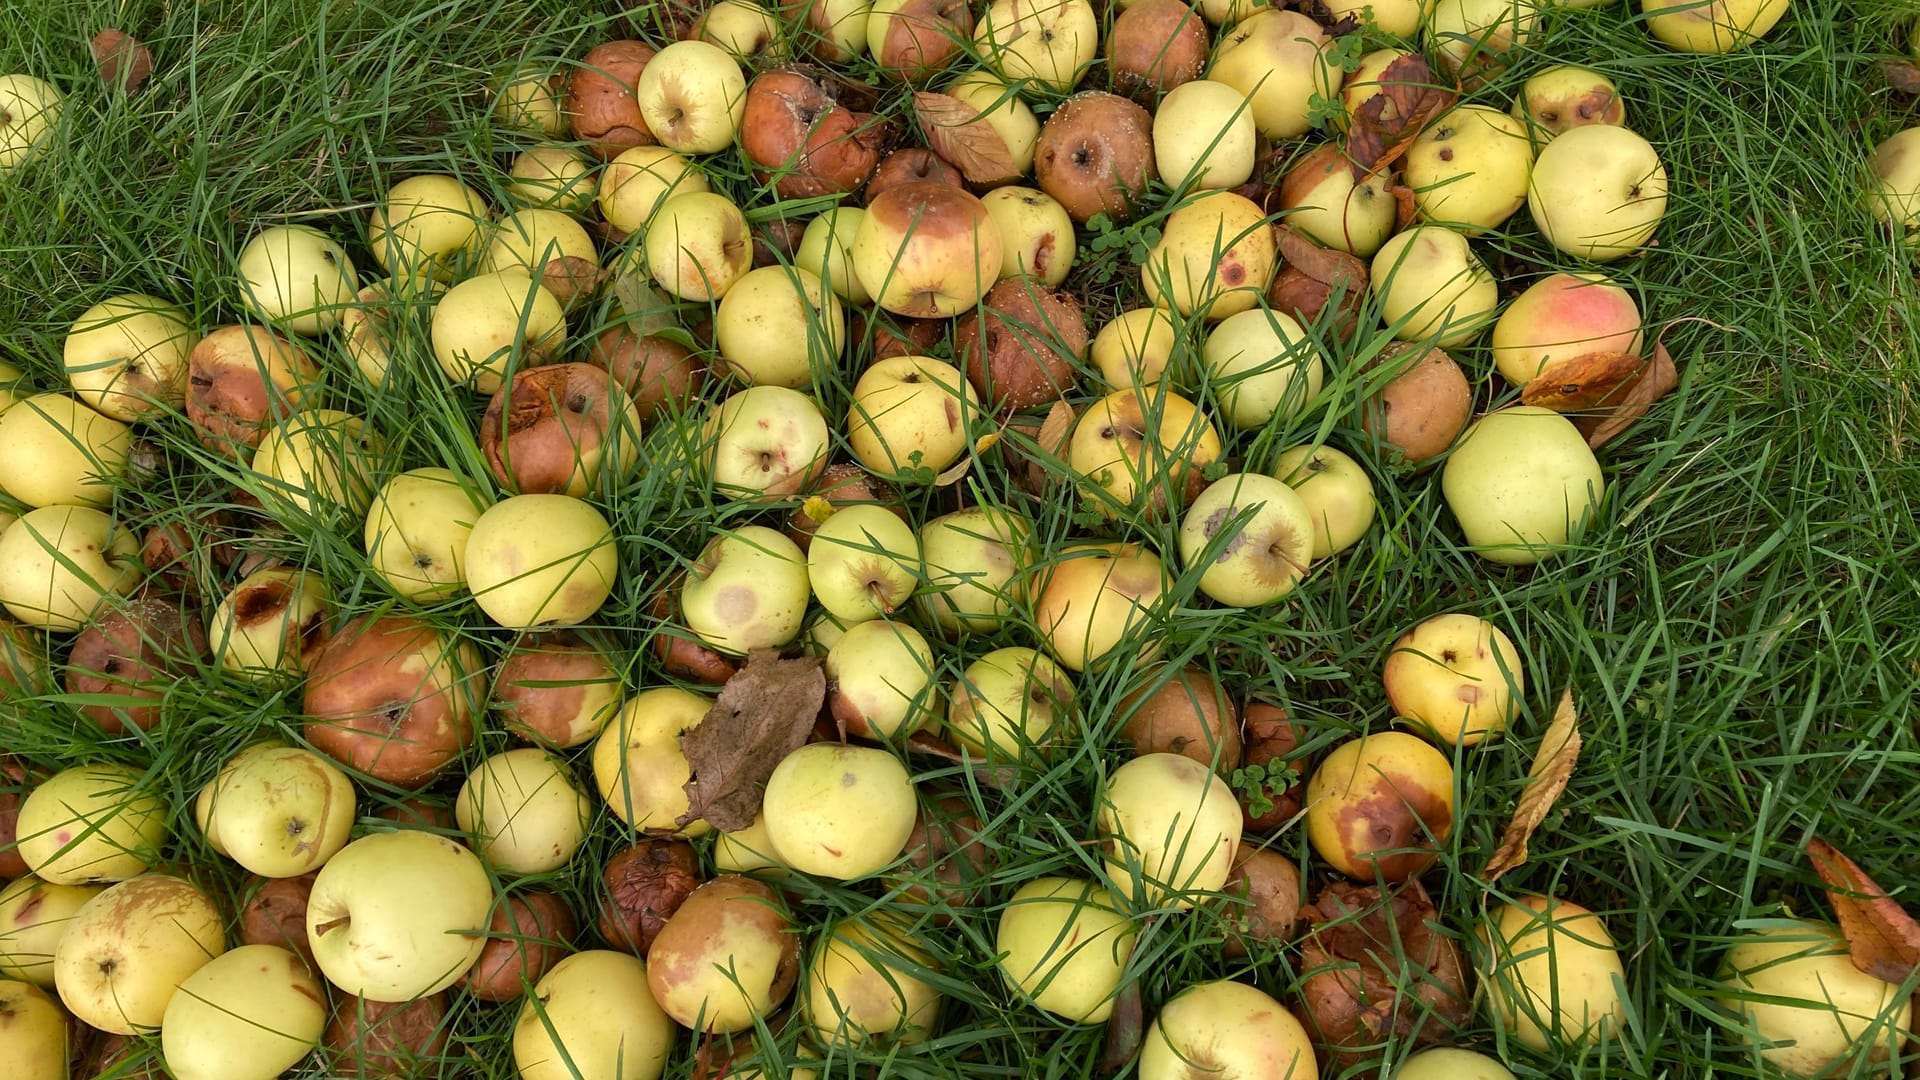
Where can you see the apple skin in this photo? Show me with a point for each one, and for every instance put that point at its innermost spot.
(126, 356)
(1036, 234)
(1469, 168)
(825, 248)
(638, 765)
(832, 31)
(490, 325)
(592, 1017)
(1262, 364)
(1154, 46)
(240, 380)
(698, 245)
(1093, 598)
(555, 695)
(1270, 553)
(34, 914)
(1598, 192)
(1400, 18)
(635, 184)
(1329, 205)
(297, 278)
(838, 811)
(36, 1039)
(552, 176)
(524, 811)
(974, 562)
(282, 812)
(1337, 491)
(1432, 287)
(1214, 259)
(1549, 960)
(747, 590)
(778, 326)
(1174, 823)
(1063, 945)
(529, 102)
(568, 552)
(1805, 996)
(551, 247)
(1522, 482)
(248, 1014)
(58, 563)
(1203, 136)
(863, 563)
(693, 96)
(1561, 317)
(766, 442)
(1893, 186)
(1277, 60)
(417, 530)
(880, 680)
(1010, 704)
(926, 250)
(1452, 1063)
(1000, 108)
(729, 956)
(1362, 84)
(1048, 43)
(1457, 677)
(128, 950)
(1140, 451)
(431, 224)
(391, 696)
(55, 451)
(1720, 27)
(1383, 793)
(913, 40)
(743, 29)
(1135, 348)
(1239, 1032)
(1095, 156)
(318, 463)
(269, 622)
(1472, 38)
(910, 412)
(860, 988)
(31, 107)
(1562, 97)
(372, 936)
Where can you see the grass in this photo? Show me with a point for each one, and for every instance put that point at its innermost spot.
(1739, 632)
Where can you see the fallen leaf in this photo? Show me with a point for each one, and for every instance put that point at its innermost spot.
(124, 63)
(762, 714)
(1902, 75)
(1552, 768)
(1582, 383)
(1388, 121)
(1126, 1026)
(1884, 939)
(1655, 381)
(956, 132)
(1310, 276)
(818, 509)
(958, 470)
(1407, 209)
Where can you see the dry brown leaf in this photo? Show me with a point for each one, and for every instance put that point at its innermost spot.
(1387, 122)
(1408, 211)
(1883, 938)
(1552, 768)
(1902, 75)
(956, 132)
(1581, 383)
(1374, 967)
(1655, 381)
(958, 471)
(763, 714)
(123, 62)
(1126, 1027)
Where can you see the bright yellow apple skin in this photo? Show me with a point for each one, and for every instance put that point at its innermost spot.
(1717, 27)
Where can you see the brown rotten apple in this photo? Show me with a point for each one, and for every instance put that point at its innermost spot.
(1272, 741)
(811, 145)
(276, 914)
(600, 99)
(554, 429)
(14, 787)
(240, 379)
(133, 653)
(377, 1039)
(554, 694)
(1423, 408)
(1188, 714)
(912, 165)
(1095, 156)
(388, 695)
(1155, 46)
(657, 373)
(944, 854)
(841, 484)
(1265, 887)
(528, 934)
(926, 250)
(644, 885)
(912, 40)
(1020, 346)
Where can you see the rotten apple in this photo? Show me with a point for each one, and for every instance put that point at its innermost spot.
(389, 695)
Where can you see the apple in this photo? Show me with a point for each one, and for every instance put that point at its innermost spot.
(747, 851)
(1550, 973)
(1047, 42)
(34, 914)
(692, 96)
(1893, 190)
(551, 247)
(297, 278)
(833, 31)
(268, 622)
(592, 1017)
(779, 325)
(1718, 27)
(1238, 1033)
(431, 224)
(23, 671)
(35, 1039)
(926, 250)
(29, 108)
(638, 765)
(1154, 46)
(1380, 806)
(1561, 317)
(524, 811)
(838, 811)
(880, 680)
(12, 386)
(1450, 1062)
(1036, 234)
(391, 696)
(1182, 711)
(601, 105)
(554, 694)
(1326, 202)
(317, 460)
(1263, 558)
(1423, 408)
(1261, 364)
(1522, 483)
(529, 102)
(1000, 107)
(826, 249)
(1278, 62)
(1469, 168)
(1140, 450)
(417, 531)
(126, 356)
(128, 950)
(1814, 1012)
(1457, 677)
(373, 1039)
(129, 658)
(240, 379)
(1598, 192)
(765, 441)
(1473, 37)
(562, 429)
(1229, 12)
(1432, 287)
(489, 326)
(248, 1014)
(1094, 598)
(913, 40)
(747, 590)
(1169, 825)
(1021, 347)
(371, 934)
(1135, 348)
(1095, 155)
(1363, 84)
(527, 935)
(910, 413)
(974, 563)
(55, 451)
(380, 322)
(282, 812)
(728, 957)
(1214, 258)
(1010, 705)
(660, 374)
(861, 987)
(209, 793)
(553, 176)
(698, 244)
(634, 185)
(1063, 944)
(541, 561)
(1564, 96)
(1337, 491)
(58, 563)
(746, 30)
(863, 563)
(1203, 136)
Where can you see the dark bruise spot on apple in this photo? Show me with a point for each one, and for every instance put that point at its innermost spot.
(1397, 813)
(255, 604)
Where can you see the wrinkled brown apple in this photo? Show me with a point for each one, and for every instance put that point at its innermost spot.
(389, 696)
(428, 813)
(386, 1039)
(134, 653)
(1020, 346)
(1189, 714)
(240, 380)
(795, 132)
(1424, 407)
(180, 554)
(1095, 156)
(658, 373)
(600, 101)
(276, 914)
(896, 335)
(1155, 46)
(554, 429)
(944, 855)
(841, 484)
(912, 165)
(527, 934)
(775, 241)
(641, 889)
(555, 693)
(1265, 906)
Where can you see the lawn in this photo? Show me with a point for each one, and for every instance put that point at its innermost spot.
(1740, 629)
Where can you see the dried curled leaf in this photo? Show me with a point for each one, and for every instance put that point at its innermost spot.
(958, 470)
(123, 62)
(1552, 768)
(1655, 381)
(1318, 11)
(1883, 938)
(762, 714)
(1406, 211)
(1377, 966)
(1582, 382)
(1311, 276)
(1903, 76)
(956, 132)
(1387, 122)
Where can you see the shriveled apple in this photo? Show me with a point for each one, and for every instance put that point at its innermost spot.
(1095, 155)
(131, 654)
(555, 694)
(1022, 346)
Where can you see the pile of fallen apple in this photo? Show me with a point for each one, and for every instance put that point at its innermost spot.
(868, 366)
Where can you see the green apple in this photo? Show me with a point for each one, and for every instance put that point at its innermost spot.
(1267, 553)
(1469, 168)
(427, 225)
(747, 590)
(1598, 192)
(29, 107)
(1261, 364)
(248, 1014)
(126, 952)
(1337, 491)
(58, 563)
(1010, 704)
(126, 356)
(372, 929)
(880, 680)
(1432, 287)
(297, 278)
(417, 532)
(974, 562)
(864, 562)
(1063, 944)
(55, 451)
(1522, 482)
(541, 561)
(491, 325)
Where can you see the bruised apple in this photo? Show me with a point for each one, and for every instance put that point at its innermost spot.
(1456, 676)
(799, 136)
(130, 656)
(913, 40)
(880, 680)
(728, 956)
(926, 250)
(659, 374)
(1094, 598)
(375, 1040)
(1215, 256)
(270, 622)
(127, 951)
(1562, 317)
(746, 590)
(126, 356)
(34, 914)
(1423, 407)
(646, 883)
(524, 811)
(558, 430)
(1140, 450)
(240, 380)
(1021, 347)
(555, 694)
(1186, 712)
(1156, 45)
(1095, 156)
(281, 812)
(528, 934)
(392, 697)
(601, 105)
(1380, 805)
(541, 561)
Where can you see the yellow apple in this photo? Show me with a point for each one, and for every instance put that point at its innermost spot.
(1522, 483)
(126, 356)
(1400, 18)
(29, 108)
(974, 563)
(1328, 203)
(1238, 1033)
(1278, 61)
(128, 950)
(1452, 1063)
(34, 1039)
(1169, 825)
(1047, 42)
(636, 183)
(1550, 973)
(693, 96)
(780, 326)
(697, 244)
(417, 531)
(58, 563)
(1264, 556)
(1473, 37)
(1261, 364)
(1457, 677)
(1094, 598)
(491, 325)
(431, 224)
(55, 451)
(838, 811)
(825, 248)
(592, 1017)
(1203, 136)
(880, 680)
(1337, 492)
(638, 765)
(862, 985)
(554, 176)
(1598, 192)
(1010, 704)
(1561, 317)
(926, 250)
(282, 811)
(399, 915)
(747, 590)
(297, 278)
(317, 458)
(34, 914)
(1469, 168)
(1002, 109)
(765, 442)
(529, 102)
(746, 30)
(1893, 190)
(1214, 259)
(1380, 806)
(382, 323)
(1135, 348)
(541, 561)
(266, 624)
(1432, 287)
(248, 1014)
(1719, 26)
(1796, 985)
(1140, 449)
(1036, 234)
(911, 412)
(1564, 96)
(524, 811)
(1063, 945)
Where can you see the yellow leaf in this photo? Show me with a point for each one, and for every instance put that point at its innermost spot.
(1552, 768)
